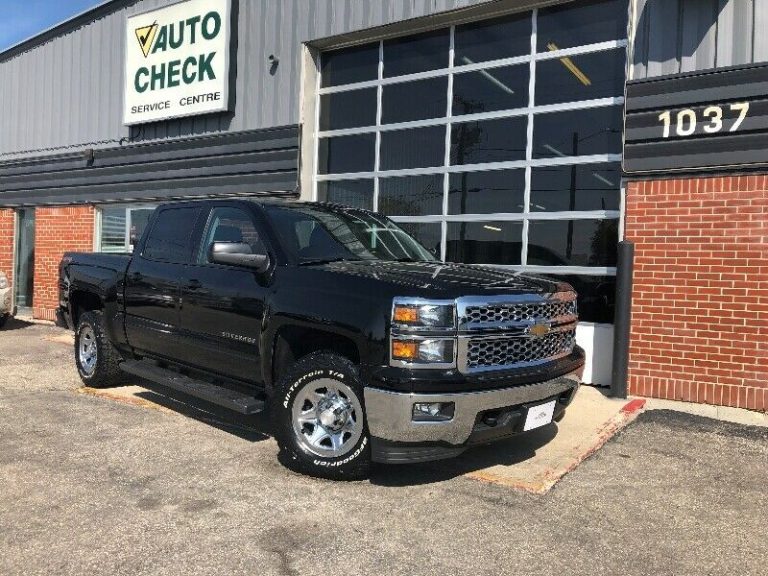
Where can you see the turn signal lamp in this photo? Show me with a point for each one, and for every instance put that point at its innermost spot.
(438, 352)
(406, 315)
(406, 351)
(424, 314)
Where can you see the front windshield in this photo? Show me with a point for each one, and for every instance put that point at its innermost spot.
(315, 234)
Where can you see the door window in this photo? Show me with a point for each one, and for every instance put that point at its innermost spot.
(170, 239)
(230, 225)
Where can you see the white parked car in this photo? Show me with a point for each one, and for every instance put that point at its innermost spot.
(5, 299)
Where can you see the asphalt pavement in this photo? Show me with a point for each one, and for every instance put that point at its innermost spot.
(93, 486)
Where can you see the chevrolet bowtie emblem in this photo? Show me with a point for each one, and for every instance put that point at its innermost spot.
(539, 330)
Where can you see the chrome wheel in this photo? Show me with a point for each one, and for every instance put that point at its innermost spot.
(87, 352)
(327, 418)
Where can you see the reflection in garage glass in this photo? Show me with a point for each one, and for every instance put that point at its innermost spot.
(341, 154)
(577, 187)
(489, 90)
(573, 243)
(577, 132)
(350, 109)
(355, 193)
(492, 191)
(411, 195)
(484, 242)
(417, 100)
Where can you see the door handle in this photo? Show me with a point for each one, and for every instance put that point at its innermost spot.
(194, 285)
(136, 277)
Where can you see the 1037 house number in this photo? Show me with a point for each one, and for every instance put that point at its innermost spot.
(686, 120)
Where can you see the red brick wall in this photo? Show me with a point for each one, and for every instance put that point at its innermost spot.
(7, 218)
(57, 230)
(700, 297)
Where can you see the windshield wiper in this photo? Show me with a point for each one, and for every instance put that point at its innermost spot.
(328, 260)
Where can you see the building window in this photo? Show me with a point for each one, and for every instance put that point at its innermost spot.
(121, 227)
(495, 142)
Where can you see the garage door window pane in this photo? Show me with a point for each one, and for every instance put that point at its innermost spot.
(419, 100)
(577, 132)
(411, 195)
(418, 148)
(585, 77)
(355, 193)
(577, 24)
(484, 242)
(572, 242)
(427, 234)
(487, 192)
(493, 39)
(357, 64)
(342, 154)
(351, 109)
(416, 53)
(488, 141)
(579, 187)
(490, 90)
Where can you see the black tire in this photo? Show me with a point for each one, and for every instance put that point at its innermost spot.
(3, 319)
(104, 371)
(296, 450)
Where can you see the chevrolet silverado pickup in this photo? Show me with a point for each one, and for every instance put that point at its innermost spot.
(359, 343)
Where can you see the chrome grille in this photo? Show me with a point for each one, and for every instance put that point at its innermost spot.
(501, 352)
(492, 314)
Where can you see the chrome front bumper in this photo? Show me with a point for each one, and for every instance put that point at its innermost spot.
(390, 413)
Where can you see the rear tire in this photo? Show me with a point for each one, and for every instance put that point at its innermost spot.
(318, 413)
(97, 360)
(3, 319)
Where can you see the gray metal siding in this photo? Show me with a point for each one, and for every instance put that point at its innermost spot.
(68, 90)
(674, 36)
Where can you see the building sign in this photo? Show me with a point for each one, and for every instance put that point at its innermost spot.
(715, 119)
(177, 61)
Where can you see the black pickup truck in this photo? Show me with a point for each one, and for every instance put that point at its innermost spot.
(362, 346)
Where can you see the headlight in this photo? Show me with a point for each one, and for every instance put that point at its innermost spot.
(423, 314)
(3, 281)
(434, 351)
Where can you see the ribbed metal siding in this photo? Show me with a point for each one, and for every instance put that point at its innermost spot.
(250, 162)
(674, 36)
(69, 90)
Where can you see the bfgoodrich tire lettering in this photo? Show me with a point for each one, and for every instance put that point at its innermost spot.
(96, 358)
(319, 418)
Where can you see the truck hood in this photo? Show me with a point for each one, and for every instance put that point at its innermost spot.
(445, 280)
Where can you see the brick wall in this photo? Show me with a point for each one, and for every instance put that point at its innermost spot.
(7, 218)
(57, 230)
(700, 297)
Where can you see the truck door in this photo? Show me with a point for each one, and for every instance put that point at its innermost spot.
(223, 306)
(153, 282)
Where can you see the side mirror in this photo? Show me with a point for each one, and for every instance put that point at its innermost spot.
(238, 254)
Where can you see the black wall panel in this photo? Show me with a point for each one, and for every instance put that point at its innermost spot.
(254, 162)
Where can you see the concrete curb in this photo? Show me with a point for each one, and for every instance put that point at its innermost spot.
(541, 486)
(723, 413)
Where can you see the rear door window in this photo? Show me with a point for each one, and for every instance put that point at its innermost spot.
(171, 238)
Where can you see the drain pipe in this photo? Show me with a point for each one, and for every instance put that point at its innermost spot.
(622, 319)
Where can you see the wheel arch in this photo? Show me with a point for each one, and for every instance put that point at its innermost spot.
(293, 342)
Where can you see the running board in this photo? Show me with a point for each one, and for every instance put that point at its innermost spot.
(225, 397)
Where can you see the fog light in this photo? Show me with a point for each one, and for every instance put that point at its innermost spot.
(438, 351)
(433, 411)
